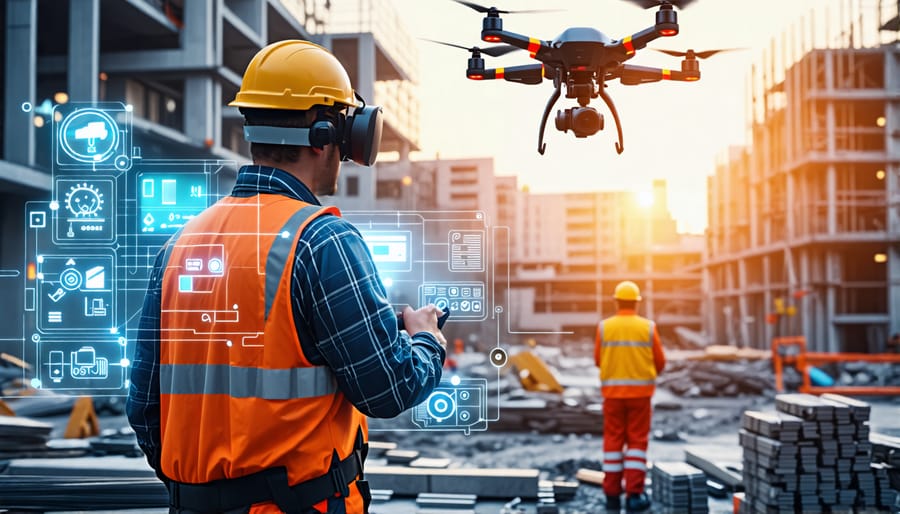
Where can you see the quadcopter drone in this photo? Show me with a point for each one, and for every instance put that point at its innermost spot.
(581, 60)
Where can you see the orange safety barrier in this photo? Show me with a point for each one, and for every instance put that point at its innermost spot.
(801, 359)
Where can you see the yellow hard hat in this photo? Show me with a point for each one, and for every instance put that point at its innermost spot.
(294, 75)
(627, 290)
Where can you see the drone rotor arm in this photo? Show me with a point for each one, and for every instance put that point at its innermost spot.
(525, 74)
(534, 46)
(631, 75)
(631, 44)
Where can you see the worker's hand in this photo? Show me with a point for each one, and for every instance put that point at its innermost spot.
(424, 319)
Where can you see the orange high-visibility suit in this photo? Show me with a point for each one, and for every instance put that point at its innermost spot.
(629, 354)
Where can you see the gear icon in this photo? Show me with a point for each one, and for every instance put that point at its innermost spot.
(84, 200)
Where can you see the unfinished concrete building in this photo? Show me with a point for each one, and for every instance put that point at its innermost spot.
(804, 225)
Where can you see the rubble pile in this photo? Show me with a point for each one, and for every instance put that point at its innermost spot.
(706, 378)
(865, 374)
(549, 414)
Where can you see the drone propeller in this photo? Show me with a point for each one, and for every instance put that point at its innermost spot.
(649, 4)
(493, 51)
(493, 11)
(690, 54)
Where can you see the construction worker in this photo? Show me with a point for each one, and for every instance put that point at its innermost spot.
(630, 356)
(253, 377)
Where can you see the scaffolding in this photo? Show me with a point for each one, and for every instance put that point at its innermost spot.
(804, 225)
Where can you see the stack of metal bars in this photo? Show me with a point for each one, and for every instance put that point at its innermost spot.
(678, 487)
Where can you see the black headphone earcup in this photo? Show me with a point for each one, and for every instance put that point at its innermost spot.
(322, 133)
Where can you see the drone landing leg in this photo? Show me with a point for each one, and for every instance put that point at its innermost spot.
(550, 103)
(620, 146)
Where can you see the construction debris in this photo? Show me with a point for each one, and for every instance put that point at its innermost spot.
(590, 476)
(56, 493)
(710, 378)
(865, 374)
(534, 373)
(484, 483)
(551, 414)
(22, 434)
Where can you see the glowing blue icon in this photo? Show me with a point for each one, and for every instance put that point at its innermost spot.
(89, 136)
(169, 190)
(215, 266)
(92, 132)
(55, 361)
(185, 283)
(86, 364)
(95, 278)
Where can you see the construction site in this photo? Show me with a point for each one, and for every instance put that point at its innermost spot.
(780, 323)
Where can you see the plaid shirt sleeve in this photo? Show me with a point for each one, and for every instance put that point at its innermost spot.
(142, 406)
(344, 313)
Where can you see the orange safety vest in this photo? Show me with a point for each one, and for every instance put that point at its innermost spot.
(237, 394)
(628, 369)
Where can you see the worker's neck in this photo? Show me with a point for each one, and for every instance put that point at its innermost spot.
(302, 169)
(626, 312)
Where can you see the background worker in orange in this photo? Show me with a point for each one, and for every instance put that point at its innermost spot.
(630, 356)
(265, 409)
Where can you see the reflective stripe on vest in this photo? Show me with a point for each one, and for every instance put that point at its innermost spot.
(237, 382)
(628, 382)
(630, 344)
(276, 261)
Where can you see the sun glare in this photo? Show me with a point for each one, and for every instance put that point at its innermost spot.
(645, 199)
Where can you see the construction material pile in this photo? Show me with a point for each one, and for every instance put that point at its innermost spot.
(708, 378)
(679, 488)
(22, 434)
(813, 455)
(866, 374)
(550, 414)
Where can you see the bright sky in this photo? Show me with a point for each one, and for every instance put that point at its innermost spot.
(672, 130)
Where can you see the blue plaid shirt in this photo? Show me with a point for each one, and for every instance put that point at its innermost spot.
(343, 318)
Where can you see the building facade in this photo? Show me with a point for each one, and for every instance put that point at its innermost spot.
(804, 225)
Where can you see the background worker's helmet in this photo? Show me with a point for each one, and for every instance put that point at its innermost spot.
(294, 75)
(627, 290)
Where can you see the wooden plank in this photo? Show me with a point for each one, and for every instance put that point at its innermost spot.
(590, 476)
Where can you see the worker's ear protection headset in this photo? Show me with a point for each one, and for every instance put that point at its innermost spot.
(357, 135)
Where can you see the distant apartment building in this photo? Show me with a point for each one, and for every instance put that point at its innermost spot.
(558, 257)
(370, 38)
(804, 225)
(573, 248)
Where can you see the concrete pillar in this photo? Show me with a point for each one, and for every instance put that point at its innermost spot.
(832, 277)
(790, 207)
(84, 50)
(366, 73)
(831, 196)
(202, 95)
(768, 302)
(743, 309)
(807, 303)
(21, 79)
